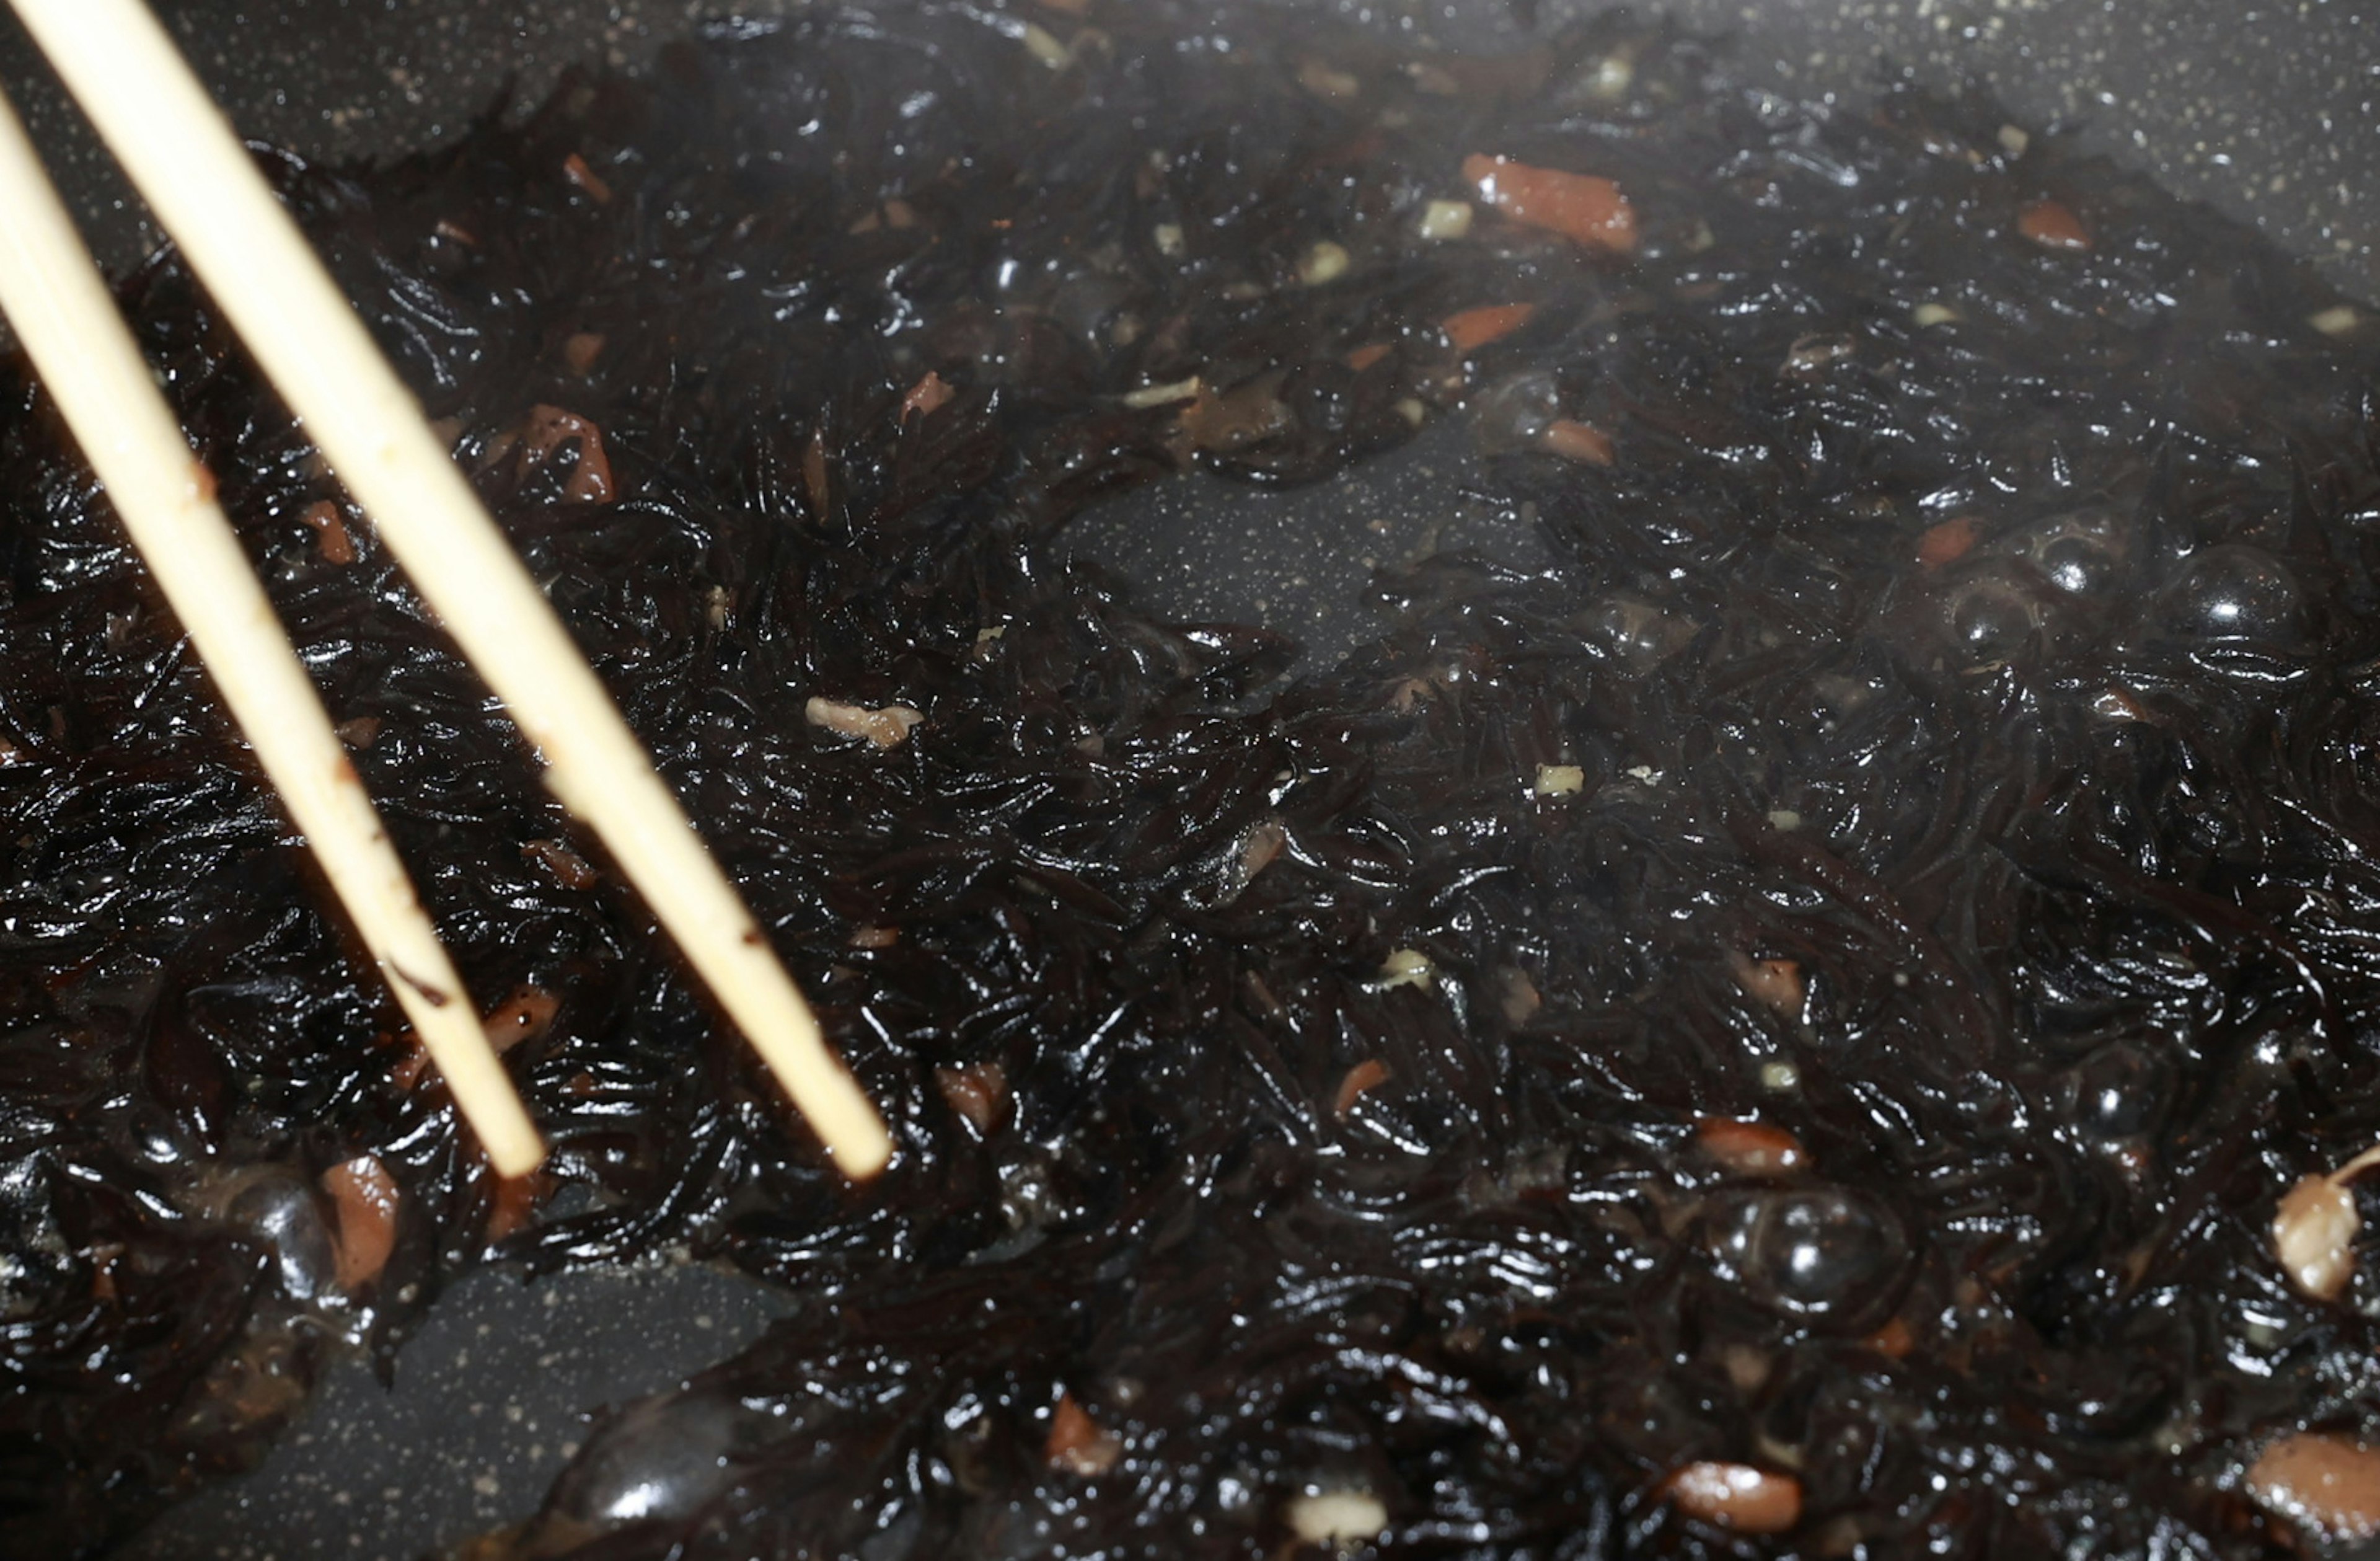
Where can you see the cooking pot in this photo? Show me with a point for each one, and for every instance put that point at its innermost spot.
(2272, 113)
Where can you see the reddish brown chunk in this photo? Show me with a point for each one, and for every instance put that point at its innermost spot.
(1583, 208)
(1518, 996)
(875, 937)
(359, 733)
(1474, 328)
(569, 869)
(926, 397)
(542, 436)
(1736, 1495)
(814, 473)
(365, 1196)
(1261, 847)
(329, 532)
(514, 1202)
(1751, 1149)
(976, 1090)
(1366, 1074)
(2053, 225)
(1946, 543)
(1247, 414)
(411, 1062)
(2321, 1480)
(1364, 357)
(581, 350)
(103, 1270)
(1893, 1339)
(522, 1016)
(1077, 1445)
(1776, 983)
(575, 169)
(1576, 440)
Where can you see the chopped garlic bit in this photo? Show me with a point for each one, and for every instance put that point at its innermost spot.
(1779, 1077)
(1327, 81)
(2013, 141)
(887, 727)
(1926, 315)
(1165, 395)
(1412, 411)
(2314, 1235)
(1559, 780)
(1442, 220)
(1045, 46)
(2315, 1226)
(1430, 79)
(1168, 237)
(1345, 1519)
(1325, 262)
(1783, 819)
(1407, 966)
(2337, 321)
(1612, 76)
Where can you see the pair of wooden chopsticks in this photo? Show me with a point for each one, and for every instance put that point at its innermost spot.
(155, 117)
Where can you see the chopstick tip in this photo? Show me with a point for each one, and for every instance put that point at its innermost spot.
(863, 1150)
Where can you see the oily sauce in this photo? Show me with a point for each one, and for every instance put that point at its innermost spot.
(1780, 1031)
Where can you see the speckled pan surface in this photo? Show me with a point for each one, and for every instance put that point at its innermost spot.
(2271, 111)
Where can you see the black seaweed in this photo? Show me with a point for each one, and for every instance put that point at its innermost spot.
(2068, 830)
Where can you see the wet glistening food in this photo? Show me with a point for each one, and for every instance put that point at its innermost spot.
(1786, 1026)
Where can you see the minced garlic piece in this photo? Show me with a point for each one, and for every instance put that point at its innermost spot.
(887, 727)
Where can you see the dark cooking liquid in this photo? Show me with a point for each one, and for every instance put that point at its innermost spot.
(1965, 665)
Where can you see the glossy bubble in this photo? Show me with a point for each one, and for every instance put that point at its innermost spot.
(1638, 632)
(1515, 411)
(1806, 1251)
(1990, 615)
(2120, 1090)
(282, 1208)
(2233, 592)
(660, 1458)
(2079, 553)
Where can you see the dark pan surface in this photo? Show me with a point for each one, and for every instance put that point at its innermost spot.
(2271, 112)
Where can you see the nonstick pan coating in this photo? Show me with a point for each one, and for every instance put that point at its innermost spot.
(2272, 113)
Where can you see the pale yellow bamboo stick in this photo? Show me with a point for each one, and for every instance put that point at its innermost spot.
(51, 291)
(123, 69)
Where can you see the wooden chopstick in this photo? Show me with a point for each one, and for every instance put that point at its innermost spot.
(51, 291)
(182, 154)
